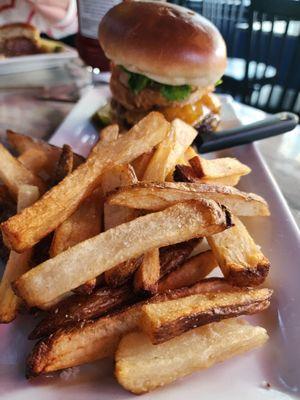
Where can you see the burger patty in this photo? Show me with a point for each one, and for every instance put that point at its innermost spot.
(146, 99)
(19, 46)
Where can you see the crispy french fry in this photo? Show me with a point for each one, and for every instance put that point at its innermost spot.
(192, 271)
(24, 230)
(77, 308)
(109, 133)
(218, 167)
(117, 215)
(67, 271)
(87, 342)
(190, 153)
(140, 164)
(164, 320)
(84, 343)
(13, 174)
(239, 257)
(146, 278)
(158, 195)
(36, 152)
(172, 257)
(185, 173)
(64, 165)
(83, 224)
(170, 150)
(141, 366)
(17, 263)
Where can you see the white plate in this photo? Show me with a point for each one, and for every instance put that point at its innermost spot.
(13, 65)
(242, 377)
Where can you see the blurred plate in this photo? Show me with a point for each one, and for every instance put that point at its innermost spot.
(13, 65)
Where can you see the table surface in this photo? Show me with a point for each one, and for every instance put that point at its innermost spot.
(22, 111)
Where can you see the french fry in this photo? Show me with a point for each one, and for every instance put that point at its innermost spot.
(37, 152)
(155, 196)
(94, 340)
(146, 278)
(141, 366)
(117, 215)
(78, 308)
(67, 270)
(161, 164)
(13, 174)
(172, 257)
(83, 224)
(170, 150)
(190, 153)
(185, 173)
(24, 230)
(17, 263)
(34, 160)
(64, 165)
(7, 209)
(140, 164)
(192, 271)
(84, 343)
(218, 167)
(164, 320)
(239, 257)
(109, 133)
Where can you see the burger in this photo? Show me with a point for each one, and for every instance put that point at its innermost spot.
(163, 57)
(22, 39)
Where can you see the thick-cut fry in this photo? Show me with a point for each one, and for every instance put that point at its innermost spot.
(67, 270)
(191, 272)
(34, 160)
(77, 308)
(218, 167)
(17, 263)
(170, 150)
(24, 230)
(83, 343)
(172, 257)
(164, 320)
(158, 195)
(239, 257)
(13, 174)
(146, 278)
(83, 224)
(142, 366)
(140, 164)
(117, 215)
(48, 153)
(109, 133)
(184, 173)
(64, 165)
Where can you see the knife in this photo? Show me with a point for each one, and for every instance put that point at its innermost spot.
(270, 126)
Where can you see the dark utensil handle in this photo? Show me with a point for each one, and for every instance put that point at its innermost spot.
(271, 126)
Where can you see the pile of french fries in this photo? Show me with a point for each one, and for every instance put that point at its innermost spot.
(110, 250)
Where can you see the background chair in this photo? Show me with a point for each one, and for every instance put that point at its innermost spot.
(263, 42)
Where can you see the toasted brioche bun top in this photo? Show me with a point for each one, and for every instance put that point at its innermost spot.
(167, 43)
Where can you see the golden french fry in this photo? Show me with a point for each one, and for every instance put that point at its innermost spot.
(142, 366)
(170, 150)
(218, 167)
(24, 230)
(191, 272)
(140, 164)
(13, 174)
(164, 320)
(239, 257)
(147, 276)
(109, 133)
(17, 263)
(67, 270)
(158, 195)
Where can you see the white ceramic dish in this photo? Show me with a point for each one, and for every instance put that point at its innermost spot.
(242, 377)
(35, 62)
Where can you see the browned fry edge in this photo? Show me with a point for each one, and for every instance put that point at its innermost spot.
(249, 276)
(168, 331)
